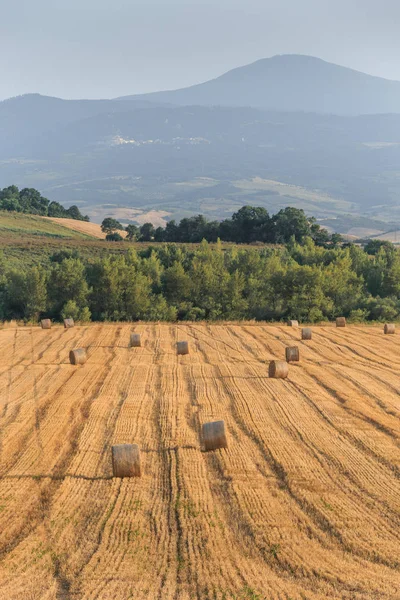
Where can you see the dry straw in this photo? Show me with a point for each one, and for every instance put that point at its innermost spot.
(135, 341)
(341, 322)
(292, 354)
(278, 369)
(45, 323)
(78, 356)
(182, 347)
(68, 323)
(389, 328)
(293, 323)
(306, 333)
(214, 435)
(126, 460)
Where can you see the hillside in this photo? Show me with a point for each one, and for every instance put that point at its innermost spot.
(87, 228)
(23, 226)
(291, 83)
(182, 161)
(304, 502)
(261, 134)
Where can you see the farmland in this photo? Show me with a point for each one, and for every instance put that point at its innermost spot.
(303, 504)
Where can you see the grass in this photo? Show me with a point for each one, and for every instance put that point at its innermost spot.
(20, 225)
(28, 240)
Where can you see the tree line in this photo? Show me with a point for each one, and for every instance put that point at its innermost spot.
(30, 201)
(301, 281)
(249, 224)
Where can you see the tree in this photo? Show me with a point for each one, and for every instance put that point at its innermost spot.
(132, 232)
(373, 246)
(147, 232)
(26, 293)
(33, 202)
(73, 212)
(249, 221)
(110, 225)
(291, 222)
(176, 284)
(114, 237)
(68, 282)
(71, 310)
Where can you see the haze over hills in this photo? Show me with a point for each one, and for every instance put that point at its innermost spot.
(291, 83)
(180, 153)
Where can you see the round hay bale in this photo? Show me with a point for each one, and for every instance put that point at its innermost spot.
(214, 435)
(306, 333)
(45, 323)
(293, 323)
(126, 460)
(292, 354)
(278, 369)
(341, 322)
(135, 341)
(78, 356)
(389, 328)
(68, 323)
(182, 347)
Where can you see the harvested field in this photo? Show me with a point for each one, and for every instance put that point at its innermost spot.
(92, 229)
(304, 503)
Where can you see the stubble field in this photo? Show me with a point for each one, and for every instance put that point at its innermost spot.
(303, 504)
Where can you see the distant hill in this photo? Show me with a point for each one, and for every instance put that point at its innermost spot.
(291, 83)
(261, 134)
(180, 161)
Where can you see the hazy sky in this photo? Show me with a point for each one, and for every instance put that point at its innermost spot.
(108, 48)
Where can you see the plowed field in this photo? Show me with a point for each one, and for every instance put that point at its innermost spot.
(303, 504)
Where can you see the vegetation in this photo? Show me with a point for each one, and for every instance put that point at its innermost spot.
(30, 201)
(301, 280)
(247, 225)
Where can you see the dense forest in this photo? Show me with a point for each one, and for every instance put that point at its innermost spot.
(249, 224)
(168, 282)
(30, 201)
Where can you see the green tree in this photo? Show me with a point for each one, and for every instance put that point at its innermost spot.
(147, 232)
(114, 237)
(291, 222)
(110, 225)
(26, 293)
(176, 284)
(68, 282)
(132, 232)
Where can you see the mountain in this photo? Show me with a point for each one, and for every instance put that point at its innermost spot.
(148, 156)
(291, 83)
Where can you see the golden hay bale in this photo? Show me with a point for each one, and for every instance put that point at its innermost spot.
(182, 347)
(293, 323)
(306, 333)
(292, 354)
(135, 341)
(45, 323)
(389, 328)
(278, 369)
(78, 356)
(214, 435)
(341, 322)
(126, 460)
(68, 323)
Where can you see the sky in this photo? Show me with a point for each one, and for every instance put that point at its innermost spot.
(110, 48)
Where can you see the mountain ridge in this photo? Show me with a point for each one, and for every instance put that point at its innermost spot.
(290, 82)
(284, 82)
